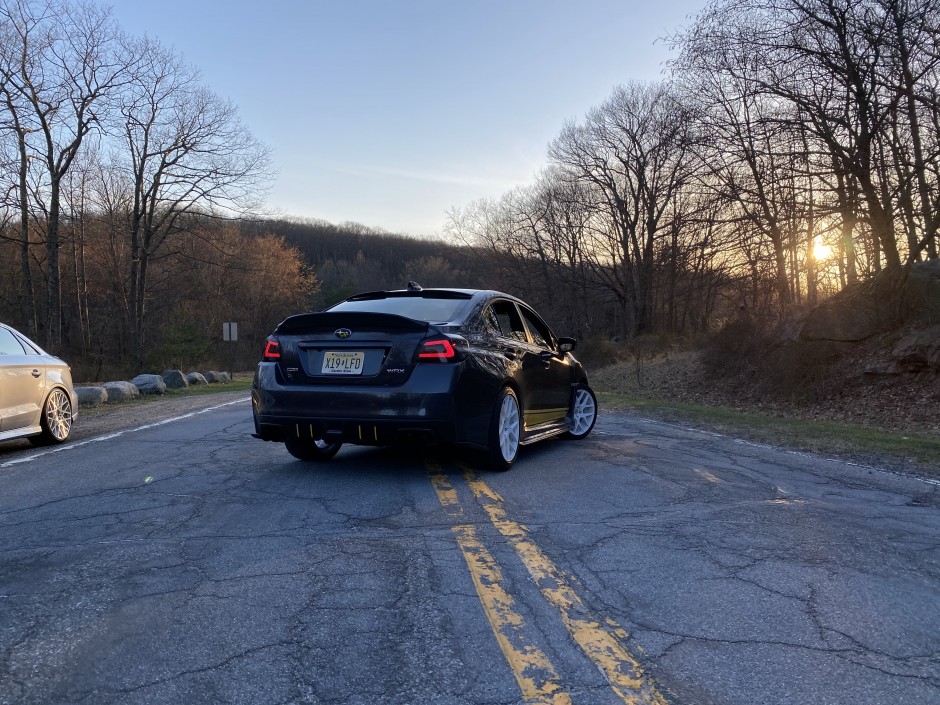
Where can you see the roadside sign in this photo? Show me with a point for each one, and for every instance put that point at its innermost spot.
(230, 332)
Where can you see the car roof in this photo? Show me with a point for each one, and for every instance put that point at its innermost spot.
(443, 292)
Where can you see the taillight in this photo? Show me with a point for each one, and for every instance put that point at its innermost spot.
(272, 350)
(437, 350)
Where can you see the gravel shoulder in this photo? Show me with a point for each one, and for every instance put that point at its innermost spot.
(111, 418)
(92, 422)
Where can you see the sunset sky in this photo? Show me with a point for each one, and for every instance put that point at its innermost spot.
(391, 113)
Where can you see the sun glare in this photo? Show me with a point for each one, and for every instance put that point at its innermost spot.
(821, 251)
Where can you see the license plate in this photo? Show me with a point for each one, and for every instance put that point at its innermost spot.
(342, 363)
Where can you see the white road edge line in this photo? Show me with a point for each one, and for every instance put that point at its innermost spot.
(109, 436)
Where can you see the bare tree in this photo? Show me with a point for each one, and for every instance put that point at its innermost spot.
(61, 64)
(186, 152)
(911, 71)
(635, 151)
(14, 124)
(856, 77)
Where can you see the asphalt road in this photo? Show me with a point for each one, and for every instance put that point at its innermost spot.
(190, 563)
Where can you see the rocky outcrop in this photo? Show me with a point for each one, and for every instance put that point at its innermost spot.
(874, 310)
(175, 379)
(120, 391)
(921, 293)
(843, 320)
(876, 306)
(91, 396)
(149, 384)
(919, 351)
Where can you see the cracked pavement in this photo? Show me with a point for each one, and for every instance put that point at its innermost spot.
(190, 562)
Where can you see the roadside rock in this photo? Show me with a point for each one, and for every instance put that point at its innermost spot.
(175, 379)
(91, 396)
(922, 290)
(149, 384)
(881, 369)
(213, 377)
(120, 391)
(196, 379)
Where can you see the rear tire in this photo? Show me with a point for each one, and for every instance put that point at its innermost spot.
(311, 450)
(583, 412)
(505, 431)
(56, 419)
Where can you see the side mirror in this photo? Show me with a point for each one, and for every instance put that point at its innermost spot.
(566, 345)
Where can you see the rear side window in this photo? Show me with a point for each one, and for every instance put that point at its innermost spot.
(504, 317)
(432, 310)
(9, 345)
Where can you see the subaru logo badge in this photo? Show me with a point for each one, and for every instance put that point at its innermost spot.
(342, 333)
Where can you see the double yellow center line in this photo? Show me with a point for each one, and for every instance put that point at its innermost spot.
(601, 639)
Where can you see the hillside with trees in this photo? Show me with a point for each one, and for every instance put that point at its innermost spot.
(119, 170)
(792, 153)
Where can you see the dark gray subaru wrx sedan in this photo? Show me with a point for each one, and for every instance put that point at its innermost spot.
(456, 366)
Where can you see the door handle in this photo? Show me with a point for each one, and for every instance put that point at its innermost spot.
(37, 374)
(510, 351)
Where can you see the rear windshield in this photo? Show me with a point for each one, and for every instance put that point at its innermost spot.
(420, 308)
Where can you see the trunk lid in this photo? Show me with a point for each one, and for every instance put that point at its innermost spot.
(349, 348)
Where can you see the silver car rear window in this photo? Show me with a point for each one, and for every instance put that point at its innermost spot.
(10, 344)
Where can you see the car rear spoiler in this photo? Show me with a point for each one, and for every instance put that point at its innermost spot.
(327, 322)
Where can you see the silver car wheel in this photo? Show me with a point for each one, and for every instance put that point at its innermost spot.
(584, 412)
(58, 415)
(509, 428)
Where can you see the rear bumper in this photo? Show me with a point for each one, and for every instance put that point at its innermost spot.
(423, 409)
(358, 431)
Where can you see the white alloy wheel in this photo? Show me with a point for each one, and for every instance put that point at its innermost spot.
(509, 428)
(505, 431)
(57, 416)
(583, 412)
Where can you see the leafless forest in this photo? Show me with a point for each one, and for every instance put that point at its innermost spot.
(791, 150)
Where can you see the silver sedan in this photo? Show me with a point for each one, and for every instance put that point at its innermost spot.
(37, 400)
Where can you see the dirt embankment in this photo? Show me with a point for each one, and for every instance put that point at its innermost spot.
(906, 404)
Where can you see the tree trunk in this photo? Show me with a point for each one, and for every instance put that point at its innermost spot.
(139, 312)
(920, 171)
(782, 275)
(53, 291)
(27, 293)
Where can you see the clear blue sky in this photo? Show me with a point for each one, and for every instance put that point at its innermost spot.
(389, 113)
